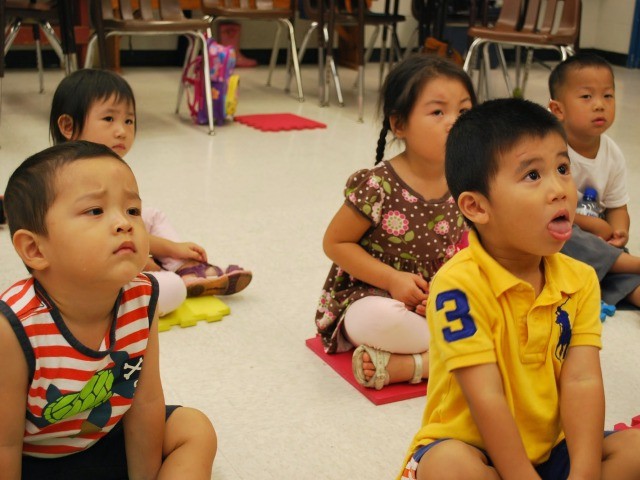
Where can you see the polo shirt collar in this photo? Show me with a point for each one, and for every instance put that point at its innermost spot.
(559, 276)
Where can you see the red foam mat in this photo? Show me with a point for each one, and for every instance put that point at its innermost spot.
(341, 363)
(275, 122)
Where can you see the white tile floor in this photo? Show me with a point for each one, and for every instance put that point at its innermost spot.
(263, 200)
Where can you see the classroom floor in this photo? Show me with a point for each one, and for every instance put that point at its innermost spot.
(263, 200)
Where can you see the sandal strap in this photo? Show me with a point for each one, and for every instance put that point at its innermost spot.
(233, 268)
(199, 270)
(379, 358)
(380, 361)
(417, 369)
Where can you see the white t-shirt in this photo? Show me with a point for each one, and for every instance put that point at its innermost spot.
(607, 173)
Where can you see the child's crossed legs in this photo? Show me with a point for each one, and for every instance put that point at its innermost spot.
(449, 459)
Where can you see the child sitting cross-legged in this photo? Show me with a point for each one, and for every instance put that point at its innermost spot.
(515, 385)
(80, 383)
(582, 90)
(397, 226)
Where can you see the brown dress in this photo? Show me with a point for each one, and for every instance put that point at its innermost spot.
(407, 232)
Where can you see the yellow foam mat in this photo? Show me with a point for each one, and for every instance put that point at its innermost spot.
(194, 310)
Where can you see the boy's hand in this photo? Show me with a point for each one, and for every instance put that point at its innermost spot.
(188, 251)
(409, 288)
(619, 238)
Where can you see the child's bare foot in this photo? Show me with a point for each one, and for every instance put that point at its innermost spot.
(392, 368)
(400, 367)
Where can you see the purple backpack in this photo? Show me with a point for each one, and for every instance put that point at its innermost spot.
(222, 61)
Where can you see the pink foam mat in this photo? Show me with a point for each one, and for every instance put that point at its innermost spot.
(275, 122)
(341, 363)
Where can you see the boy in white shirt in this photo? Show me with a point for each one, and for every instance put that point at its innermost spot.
(582, 90)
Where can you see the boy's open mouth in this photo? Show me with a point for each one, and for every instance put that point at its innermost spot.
(560, 226)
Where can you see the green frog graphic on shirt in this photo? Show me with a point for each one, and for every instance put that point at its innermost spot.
(95, 395)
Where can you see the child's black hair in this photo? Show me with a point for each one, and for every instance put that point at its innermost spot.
(558, 76)
(31, 189)
(403, 85)
(77, 92)
(481, 135)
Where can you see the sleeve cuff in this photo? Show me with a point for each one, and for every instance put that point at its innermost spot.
(588, 339)
(477, 358)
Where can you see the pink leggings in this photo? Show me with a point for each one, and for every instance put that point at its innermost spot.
(386, 324)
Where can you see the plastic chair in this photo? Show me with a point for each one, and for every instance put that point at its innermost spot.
(345, 15)
(255, 10)
(532, 24)
(126, 21)
(39, 15)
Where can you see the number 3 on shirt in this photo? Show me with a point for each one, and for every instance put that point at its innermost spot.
(460, 315)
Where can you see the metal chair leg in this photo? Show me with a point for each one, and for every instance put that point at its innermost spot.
(293, 48)
(207, 82)
(505, 72)
(274, 53)
(88, 59)
(336, 81)
(369, 51)
(10, 35)
(189, 56)
(55, 43)
(330, 71)
(361, 94)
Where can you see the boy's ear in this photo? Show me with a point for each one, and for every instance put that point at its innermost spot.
(557, 109)
(65, 124)
(474, 206)
(27, 245)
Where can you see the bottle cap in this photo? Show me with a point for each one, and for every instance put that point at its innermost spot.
(590, 193)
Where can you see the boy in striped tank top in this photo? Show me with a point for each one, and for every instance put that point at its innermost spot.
(80, 334)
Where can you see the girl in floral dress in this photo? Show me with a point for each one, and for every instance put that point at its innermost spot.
(396, 228)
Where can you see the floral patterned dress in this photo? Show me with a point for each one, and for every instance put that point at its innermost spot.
(407, 232)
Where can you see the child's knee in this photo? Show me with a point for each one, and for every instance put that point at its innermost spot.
(173, 291)
(188, 425)
(624, 444)
(454, 460)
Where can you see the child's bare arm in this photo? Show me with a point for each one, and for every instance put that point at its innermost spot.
(341, 244)
(618, 219)
(13, 398)
(598, 226)
(482, 387)
(144, 421)
(582, 410)
(162, 247)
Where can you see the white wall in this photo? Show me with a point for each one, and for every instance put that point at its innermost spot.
(607, 24)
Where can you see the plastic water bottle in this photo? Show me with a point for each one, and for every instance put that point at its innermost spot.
(589, 205)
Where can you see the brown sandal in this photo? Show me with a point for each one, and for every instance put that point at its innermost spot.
(228, 282)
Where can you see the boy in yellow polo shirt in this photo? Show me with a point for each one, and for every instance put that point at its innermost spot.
(515, 386)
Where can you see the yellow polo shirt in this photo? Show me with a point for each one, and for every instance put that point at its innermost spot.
(480, 313)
